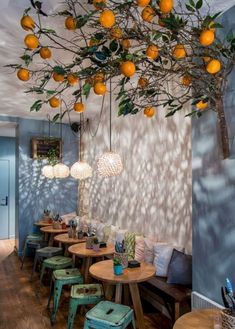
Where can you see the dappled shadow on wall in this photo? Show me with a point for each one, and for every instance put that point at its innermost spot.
(213, 209)
(153, 193)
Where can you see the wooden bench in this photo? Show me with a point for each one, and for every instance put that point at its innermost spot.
(170, 299)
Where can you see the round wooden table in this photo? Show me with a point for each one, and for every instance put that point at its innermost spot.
(64, 239)
(203, 319)
(103, 271)
(42, 223)
(53, 232)
(80, 250)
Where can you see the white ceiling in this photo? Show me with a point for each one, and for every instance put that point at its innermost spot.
(14, 101)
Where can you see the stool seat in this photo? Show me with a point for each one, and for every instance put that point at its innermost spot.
(58, 262)
(60, 278)
(108, 315)
(83, 294)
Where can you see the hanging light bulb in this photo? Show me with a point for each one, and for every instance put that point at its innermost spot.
(81, 170)
(109, 164)
(61, 170)
(48, 171)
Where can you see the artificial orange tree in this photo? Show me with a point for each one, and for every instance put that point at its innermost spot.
(158, 54)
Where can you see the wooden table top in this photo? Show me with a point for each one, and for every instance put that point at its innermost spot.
(50, 229)
(42, 223)
(104, 271)
(64, 238)
(203, 319)
(81, 250)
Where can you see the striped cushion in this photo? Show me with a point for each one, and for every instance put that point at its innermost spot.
(130, 245)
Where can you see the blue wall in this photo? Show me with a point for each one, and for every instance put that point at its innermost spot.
(214, 197)
(36, 192)
(8, 152)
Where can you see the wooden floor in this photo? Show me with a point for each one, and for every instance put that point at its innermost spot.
(21, 309)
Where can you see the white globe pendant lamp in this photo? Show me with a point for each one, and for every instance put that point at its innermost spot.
(110, 163)
(61, 170)
(48, 171)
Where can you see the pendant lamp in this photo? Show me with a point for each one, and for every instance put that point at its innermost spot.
(110, 163)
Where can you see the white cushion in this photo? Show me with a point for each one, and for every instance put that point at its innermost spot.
(139, 248)
(162, 256)
(120, 235)
(67, 217)
(148, 250)
(100, 231)
(112, 235)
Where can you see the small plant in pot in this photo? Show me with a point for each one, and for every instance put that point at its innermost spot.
(95, 244)
(57, 221)
(117, 266)
(72, 228)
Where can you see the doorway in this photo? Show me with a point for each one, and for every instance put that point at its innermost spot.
(4, 197)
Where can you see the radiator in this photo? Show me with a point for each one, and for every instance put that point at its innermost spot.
(200, 301)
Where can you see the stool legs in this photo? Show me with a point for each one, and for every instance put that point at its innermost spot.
(86, 326)
(57, 294)
(36, 258)
(73, 305)
(51, 293)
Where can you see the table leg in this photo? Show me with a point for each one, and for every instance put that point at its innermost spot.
(87, 261)
(109, 291)
(66, 253)
(126, 297)
(51, 240)
(135, 295)
(118, 293)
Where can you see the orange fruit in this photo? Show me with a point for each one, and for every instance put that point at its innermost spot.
(72, 79)
(99, 77)
(23, 74)
(99, 4)
(27, 23)
(152, 51)
(148, 14)
(78, 107)
(143, 3)
(58, 77)
(54, 102)
(179, 52)
(149, 112)
(31, 41)
(45, 52)
(206, 38)
(214, 66)
(70, 23)
(116, 33)
(186, 80)
(202, 105)
(166, 6)
(100, 88)
(126, 43)
(128, 68)
(143, 82)
(107, 18)
(206, 59)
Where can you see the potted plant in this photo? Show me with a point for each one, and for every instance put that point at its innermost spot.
(96, 244)
(47, 215)
(57, 221)
(117, 266)
(72, 228)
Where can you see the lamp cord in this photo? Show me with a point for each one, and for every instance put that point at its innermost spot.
(110, 116)
(61, 126)
(80, 137)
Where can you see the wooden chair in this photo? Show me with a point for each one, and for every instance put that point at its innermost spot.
(108, 315)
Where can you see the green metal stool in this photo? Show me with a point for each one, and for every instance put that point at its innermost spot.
(83, 294)
(108, 315)
(60, 278)
(43, 253)
(30, 238)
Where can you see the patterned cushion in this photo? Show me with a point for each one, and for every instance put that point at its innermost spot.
(130, 245)
(139, 248)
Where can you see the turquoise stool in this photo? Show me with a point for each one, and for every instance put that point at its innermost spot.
(55, 263)
(83, 294)
(60, 278)
(108, 315)
(29, 239)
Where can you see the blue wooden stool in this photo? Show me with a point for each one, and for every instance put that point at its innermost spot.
(83, 294)
(108, 315)
(60, 278)
(43, 253)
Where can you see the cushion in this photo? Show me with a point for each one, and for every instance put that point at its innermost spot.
(120, 235)
(148, 250)
(112, 235)
(162, 257)
(180, 268)
(139, 248)
(67, 217)
(130, 244)
(107, 231)
(100, 231)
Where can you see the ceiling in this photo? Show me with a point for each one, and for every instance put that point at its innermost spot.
(14, 101)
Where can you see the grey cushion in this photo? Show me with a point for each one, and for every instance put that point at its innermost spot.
(180, 269)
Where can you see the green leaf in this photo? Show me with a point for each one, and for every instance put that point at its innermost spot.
(47, 31)
(100, 55)
(27, 59)
(36, 106)
(56, 117)
(50, 92)
(192, 3)
(216, 15)
(199, 4)
(64, 13)
(99, 36)
(170, 114)
(86, 89)
(113, 46)
(190, 8)
(59, 70)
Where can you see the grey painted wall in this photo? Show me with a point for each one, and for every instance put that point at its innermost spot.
(8, 152)
(213, 198)
(35, 192)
